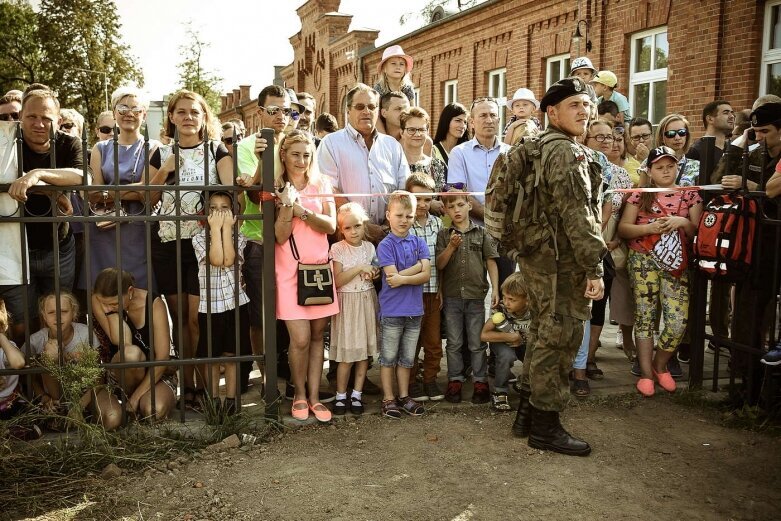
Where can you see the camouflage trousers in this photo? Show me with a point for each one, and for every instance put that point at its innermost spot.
(554, 337)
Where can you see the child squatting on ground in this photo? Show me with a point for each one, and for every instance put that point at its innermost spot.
(354, 328)
(220, 297)
(464, 252)
(506, 330)
(406, 266)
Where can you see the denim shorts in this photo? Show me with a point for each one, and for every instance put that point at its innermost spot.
(398, 340)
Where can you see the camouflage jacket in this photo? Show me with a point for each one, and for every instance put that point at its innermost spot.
(571, 194)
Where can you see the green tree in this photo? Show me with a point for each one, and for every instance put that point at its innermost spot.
(82, 47)
(21, 56)
(192, 75)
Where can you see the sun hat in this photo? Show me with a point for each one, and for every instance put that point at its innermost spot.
(581, 63)
(392, 52)
(606, 78)
(524, 95)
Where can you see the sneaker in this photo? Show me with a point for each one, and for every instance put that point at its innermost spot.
(453, 393)
(481, 393)
(499, 402)
(340, 406)
(390, 409)
(411, 407)
(417, 392)
(433, 391)
(683, 358)
(636, 368)
(619, 339)
(772, 357)
(675, 368)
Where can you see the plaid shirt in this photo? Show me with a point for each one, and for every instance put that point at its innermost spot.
(223, 283)
(429, 233)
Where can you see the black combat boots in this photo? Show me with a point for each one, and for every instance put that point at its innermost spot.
(548, 434)
(523, 419)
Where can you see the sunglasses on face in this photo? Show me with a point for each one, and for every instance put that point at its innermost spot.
(105, 130)
(124, 109)
(67, 126)
(641, 137)
(453, 186)
(682, 132)
(360, 107)
(272, 111)
(412, 131)
(11, 116)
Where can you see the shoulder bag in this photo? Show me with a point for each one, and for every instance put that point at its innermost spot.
(315, 281)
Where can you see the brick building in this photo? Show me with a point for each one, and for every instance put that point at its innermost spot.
(669, 56)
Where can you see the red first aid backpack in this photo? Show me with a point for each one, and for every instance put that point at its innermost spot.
(725, 237)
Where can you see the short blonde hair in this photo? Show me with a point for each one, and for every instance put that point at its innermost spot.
(74, 117)
(67, 295)
(404, 198)
(513, 285)
(127, 90)
(351, 208)
(421, 180)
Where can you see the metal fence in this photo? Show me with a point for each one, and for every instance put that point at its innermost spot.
(267, 361)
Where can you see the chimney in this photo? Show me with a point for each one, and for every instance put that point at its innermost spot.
(229, 100)
(244, 93)
(236, 97)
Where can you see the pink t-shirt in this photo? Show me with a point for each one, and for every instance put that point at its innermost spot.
(667, 204)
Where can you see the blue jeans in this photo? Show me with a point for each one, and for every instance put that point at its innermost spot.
(398, 340)
(505, 358)
(460, 313)
(582, 356)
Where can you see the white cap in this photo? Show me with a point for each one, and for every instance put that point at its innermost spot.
(526, 95)
(582, 63)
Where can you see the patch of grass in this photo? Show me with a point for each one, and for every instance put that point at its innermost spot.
(747, 417)
(610, 401)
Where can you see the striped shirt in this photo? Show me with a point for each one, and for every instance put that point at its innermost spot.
(223, 282)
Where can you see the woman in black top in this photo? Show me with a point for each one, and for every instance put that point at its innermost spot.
(451, 131)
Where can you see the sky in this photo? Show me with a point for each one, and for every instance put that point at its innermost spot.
(248, 37)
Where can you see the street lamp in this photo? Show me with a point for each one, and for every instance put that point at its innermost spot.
(578, 35)
(105, 81)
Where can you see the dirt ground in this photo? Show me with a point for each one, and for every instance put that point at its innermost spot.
(651, 459)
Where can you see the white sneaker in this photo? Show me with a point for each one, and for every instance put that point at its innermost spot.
(620, 339)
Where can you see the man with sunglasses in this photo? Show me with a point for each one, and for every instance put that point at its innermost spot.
(40, 119)
(231, 135)
(564, 274)
(10, 107)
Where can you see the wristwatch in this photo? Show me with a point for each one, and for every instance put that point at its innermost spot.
(305, 215)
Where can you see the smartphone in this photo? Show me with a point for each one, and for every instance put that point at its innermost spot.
(752, 136)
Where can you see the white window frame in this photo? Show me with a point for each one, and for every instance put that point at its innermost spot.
(498, 78)
(564, 71)
(649, 77)
(769, 56)
(451, 85)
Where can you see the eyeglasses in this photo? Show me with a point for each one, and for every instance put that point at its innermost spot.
(672, 133)
(124, 109)
(640, 137)
(10, 116)
(67, 126)
(106, 130)
(601, 138)
(412, 131)
(272, 111)
(360, 107)
(295, 115)
(453, 186)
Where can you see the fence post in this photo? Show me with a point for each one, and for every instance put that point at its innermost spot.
(269, 281)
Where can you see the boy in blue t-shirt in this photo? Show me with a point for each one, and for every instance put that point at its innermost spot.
(406, 266)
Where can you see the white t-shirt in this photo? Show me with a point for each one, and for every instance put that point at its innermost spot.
(10, 233)
(81, 335)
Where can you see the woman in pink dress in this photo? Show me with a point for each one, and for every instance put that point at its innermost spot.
(308, 220)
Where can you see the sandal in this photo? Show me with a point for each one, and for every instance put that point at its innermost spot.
(411, 407)
(187, 397)
(300, 413)
(390, 409)
(580, 388)
(320, 411)
(593, 372)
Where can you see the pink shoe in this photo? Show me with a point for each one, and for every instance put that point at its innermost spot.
(646, 386)
(665, 381)
(320, 411)
(298, 412)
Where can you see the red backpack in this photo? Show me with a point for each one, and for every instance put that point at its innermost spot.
(725, 237)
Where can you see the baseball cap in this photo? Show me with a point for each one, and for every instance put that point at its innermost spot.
(606, 78)
(581, 63)
(660, 152)
(294, 100)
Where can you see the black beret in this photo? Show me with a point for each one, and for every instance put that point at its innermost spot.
(561, 90)
(766, 114)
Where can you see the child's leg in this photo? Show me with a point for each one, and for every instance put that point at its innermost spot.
(645, 288)
(409, 339)
(675, 310)
(360, 375)
(430, 337)
(581, 359)
(230, 377)
(342, 375)
(505, 358)
(214, 381)
(474, 318)
(391, 330)
(454, 324)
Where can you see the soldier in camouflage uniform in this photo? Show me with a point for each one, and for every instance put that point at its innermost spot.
(564, 275)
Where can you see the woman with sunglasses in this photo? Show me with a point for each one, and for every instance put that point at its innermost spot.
(198, 130)
(129, 111)
(674, 132)
(414, 129)
(451, 131)
(105, 125)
